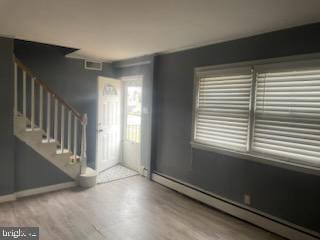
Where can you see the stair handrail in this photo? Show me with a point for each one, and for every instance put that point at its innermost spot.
(45, 85)
(82, 118)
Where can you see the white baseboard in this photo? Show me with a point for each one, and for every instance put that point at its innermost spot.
(260, 219)
(7, 198)
(45, 189)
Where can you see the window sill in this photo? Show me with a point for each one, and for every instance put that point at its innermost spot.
(260, 159)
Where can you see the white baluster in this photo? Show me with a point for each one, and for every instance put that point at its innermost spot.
(48, 116)
(32, 103)
(69, 130)
(62, 128)
(40, 107)
(24, 96)
(15, 88)
(55, 127)
(75, 138)
(84, 145)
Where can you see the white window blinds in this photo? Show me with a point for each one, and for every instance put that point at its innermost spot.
(287, 115)
(222, 109)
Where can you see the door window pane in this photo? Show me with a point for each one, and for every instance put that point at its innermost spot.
(133, 113)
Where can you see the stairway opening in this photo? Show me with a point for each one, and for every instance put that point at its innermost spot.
(50, 126)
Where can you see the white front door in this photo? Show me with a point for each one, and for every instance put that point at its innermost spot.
(108, 123)
(132, 122)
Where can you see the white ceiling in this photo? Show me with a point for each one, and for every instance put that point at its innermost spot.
(119, 29)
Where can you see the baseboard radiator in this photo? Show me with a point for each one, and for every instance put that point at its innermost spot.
(265, 221)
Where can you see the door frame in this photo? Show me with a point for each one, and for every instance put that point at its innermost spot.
(97, 121)
(125, 79)
(135, 78)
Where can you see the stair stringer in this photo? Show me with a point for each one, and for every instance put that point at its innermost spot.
(33, 138)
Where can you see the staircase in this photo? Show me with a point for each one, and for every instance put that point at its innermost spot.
(50, 126)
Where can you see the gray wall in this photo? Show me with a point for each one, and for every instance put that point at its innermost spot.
(6, 117)
(68, 78)
(290, 195)
(141, 66)
(34, 171)
(20, 167)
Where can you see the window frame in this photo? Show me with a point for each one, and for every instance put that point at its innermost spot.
(274, 64)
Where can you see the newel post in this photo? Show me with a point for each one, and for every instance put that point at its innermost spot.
(83, 157)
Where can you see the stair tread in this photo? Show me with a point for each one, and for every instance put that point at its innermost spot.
(64, 151)
(51, 140)
(66, 160)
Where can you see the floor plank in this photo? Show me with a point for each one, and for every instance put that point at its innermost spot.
(129, 209)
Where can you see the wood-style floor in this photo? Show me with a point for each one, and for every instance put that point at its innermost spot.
(128, 209)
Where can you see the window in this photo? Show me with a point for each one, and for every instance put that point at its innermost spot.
(133, 113)
(287, 116)
(222, 109)
(270, 111)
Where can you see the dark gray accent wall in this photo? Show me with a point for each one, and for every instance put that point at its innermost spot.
(6, 117)
(286, 194)
(34, 171)
(141, 66)
(68, 78)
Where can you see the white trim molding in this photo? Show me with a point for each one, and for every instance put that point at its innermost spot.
(45, 189)
(35, 191)
(7, 198)
(263, 220)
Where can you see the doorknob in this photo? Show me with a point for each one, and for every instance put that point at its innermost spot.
(100, 130)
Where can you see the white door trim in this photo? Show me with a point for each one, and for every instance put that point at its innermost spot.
(126, 82)
(96, 128)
